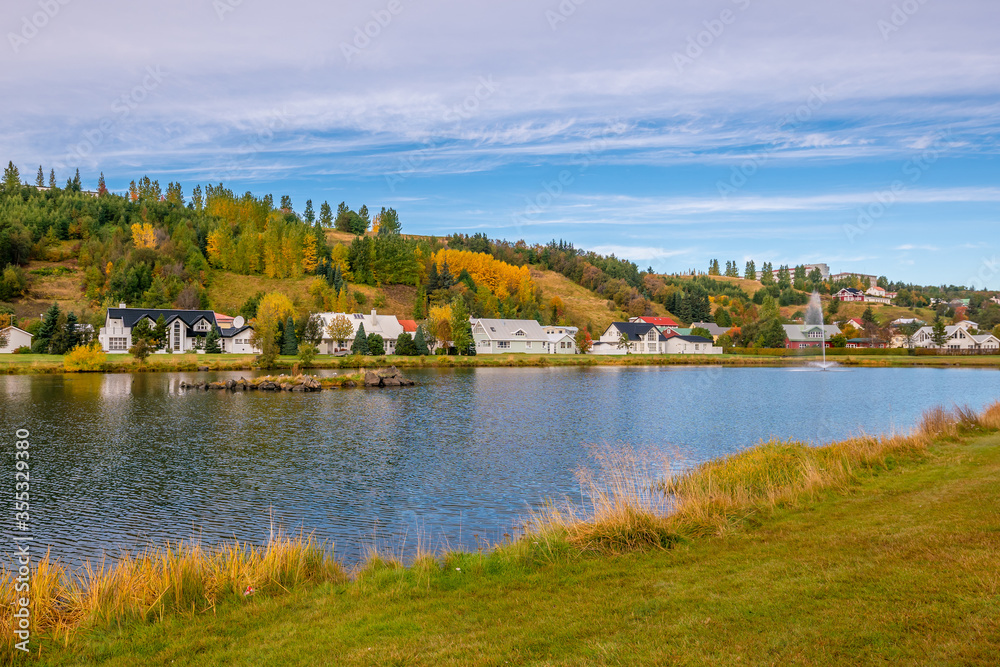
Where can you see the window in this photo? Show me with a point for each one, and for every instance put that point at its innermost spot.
(503, 344)
(117, 344)
(519, 333)
(527, 344)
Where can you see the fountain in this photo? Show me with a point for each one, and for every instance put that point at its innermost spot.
(814, 315)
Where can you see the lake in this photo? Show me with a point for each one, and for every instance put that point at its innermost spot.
(122, 461)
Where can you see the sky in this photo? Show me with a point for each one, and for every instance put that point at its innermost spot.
(860, 133)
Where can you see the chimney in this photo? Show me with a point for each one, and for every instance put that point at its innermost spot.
(374, 319)
(122, 305)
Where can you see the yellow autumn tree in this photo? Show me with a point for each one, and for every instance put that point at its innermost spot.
(309, 260)
(439, 323)
(501, 278)
(143, 235)
(272, 312)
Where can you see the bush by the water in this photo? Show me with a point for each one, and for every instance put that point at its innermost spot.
(85, 359)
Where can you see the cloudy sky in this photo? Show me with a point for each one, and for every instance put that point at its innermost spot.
(862, 133)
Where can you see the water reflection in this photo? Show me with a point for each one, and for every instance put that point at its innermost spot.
(121, 461)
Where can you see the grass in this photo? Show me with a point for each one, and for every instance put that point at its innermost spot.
(872, 550)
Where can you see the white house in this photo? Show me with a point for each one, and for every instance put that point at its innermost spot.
(15, 338)
(849, 294)
(386, 326)
(643, 338)
(562, 340)
(494, 336)
(958, 338)
(186, 330)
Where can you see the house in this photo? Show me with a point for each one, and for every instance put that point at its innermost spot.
(497, 336)
(224, 321)
(409, 326)
(15, 338)
(904, 321)
(968, 324)
(386, 326)
(855, 322)
(711, 327)
(849, 294)
(957, 338)
(876, 294)
(186, 330)
(562, 340)
(802, 336)
(995, 299)
(864, 343)
(658, 321)
(644, 338)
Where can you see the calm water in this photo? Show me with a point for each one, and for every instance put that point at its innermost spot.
(121, 461)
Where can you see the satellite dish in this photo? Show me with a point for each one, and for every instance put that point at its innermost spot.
(238, 321)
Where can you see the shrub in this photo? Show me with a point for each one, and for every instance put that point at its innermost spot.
(85, 359)
(24, 349)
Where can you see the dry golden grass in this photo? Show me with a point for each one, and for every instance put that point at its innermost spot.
(184, 578)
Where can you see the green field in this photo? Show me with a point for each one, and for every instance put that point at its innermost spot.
(899, 566)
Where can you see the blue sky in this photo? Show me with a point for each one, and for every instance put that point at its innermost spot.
(862, 133)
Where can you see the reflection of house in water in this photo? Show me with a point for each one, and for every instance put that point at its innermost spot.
(115, 385)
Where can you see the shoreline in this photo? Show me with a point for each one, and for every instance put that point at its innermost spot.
(51, 364)
(721, 505)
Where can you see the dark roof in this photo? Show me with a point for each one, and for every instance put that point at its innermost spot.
(694, 339)
(635, 330)
(229, 333)
(129, 316)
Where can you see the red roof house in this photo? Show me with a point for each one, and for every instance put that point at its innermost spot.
(656, 321)
(409, 326)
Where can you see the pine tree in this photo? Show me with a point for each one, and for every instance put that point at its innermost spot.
(405, 346)
(43, 339)
(286, 203)
(11, 178)
(751, 271)
(52, 178)
(433, 280)
(325, 215)
(309, 214)
(289, 344)
(938, 333)
(212, 342)
(77, 183)
(360, 345)
(420, 343)
(102, 188)
(376, 345)
(160, 332)
(40, 178)
(445, 279)
(72, 331)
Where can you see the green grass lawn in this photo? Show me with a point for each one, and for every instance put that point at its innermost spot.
(903, 568)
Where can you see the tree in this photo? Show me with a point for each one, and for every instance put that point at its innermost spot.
(11, 178)
(42, 340)
(274, 308)
(713, 267)
(909, 332)
(723, 318)
(701, 331)
(405, 346)
(360, 345)
(584, 342)
(77, 185)
(102, 187)
(376, 345)
(784, 279)
(52, 178)
(772, 334)
(309, 214)
(461, 329)
(766, 274)
(388, 222)
(938, 333)
(40, 177)
(750, 273)
(624, 343)
(325, 215)
(290, 346)
(160, 332)
(420, 342)
(212, 342)
(72, 331)
(725, 341)
(286, 203)
(340, 329)
(142, 341)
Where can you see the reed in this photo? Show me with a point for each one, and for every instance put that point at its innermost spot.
(181, 578)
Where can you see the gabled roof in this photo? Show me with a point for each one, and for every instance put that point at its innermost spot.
(636, 330)
(800, 332)
(129, 316)
(711, 327)
(506, 329)
(233, 331)
(409, 326)
(18, 329)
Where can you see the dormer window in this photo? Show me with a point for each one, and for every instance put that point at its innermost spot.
(519, 332)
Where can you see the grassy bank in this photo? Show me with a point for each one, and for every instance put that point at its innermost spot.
(868, 550)
(18, 364)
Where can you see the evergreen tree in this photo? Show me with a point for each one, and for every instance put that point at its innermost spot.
(445, 279)
(309, 214)
(42, 340)
(420, 343)
(767, 274)
(77, 184)
(433, 280)
(784, 279)
(325, 215)
(289, 344)
(52, 178)
(751, 271)
(938, 333)
(160, 332)
(11, 178)
(461, 329)
(388, 222)
(723, 318)
(40, 177)
(72, 331)
(286, 203)
(376, 345)
(212, 342)
(102, 188)
(360, 345)
(405, 346)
